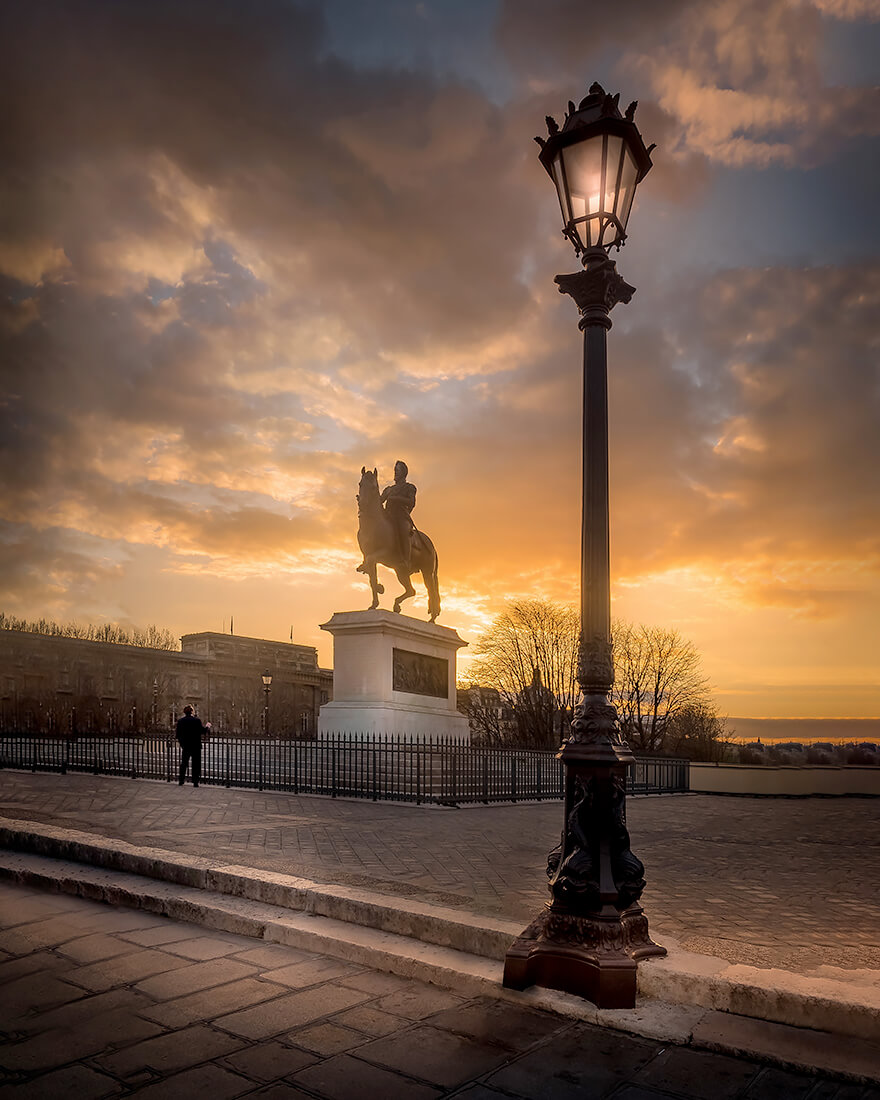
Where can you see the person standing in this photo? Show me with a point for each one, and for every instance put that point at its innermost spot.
(189, 733)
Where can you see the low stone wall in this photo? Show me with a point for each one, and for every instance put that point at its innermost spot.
(782, 779)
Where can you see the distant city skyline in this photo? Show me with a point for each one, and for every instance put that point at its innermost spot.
(248, 249)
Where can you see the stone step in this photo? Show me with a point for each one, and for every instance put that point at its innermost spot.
(844, 1002)
(790, 1047)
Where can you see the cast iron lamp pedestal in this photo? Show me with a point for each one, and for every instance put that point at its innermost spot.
(590, 936)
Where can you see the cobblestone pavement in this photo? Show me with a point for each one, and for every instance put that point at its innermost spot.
(97, 1001)
(787, 883)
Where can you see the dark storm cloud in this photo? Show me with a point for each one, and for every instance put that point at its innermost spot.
(741, 81)
(365, 180)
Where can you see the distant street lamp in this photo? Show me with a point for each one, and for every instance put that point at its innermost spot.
(267, 683)
(590, 936)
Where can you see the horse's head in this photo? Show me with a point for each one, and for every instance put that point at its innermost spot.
(369, 484)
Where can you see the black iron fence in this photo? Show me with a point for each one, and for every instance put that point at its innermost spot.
(399, 769)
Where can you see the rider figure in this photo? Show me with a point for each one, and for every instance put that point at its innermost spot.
(399, 500)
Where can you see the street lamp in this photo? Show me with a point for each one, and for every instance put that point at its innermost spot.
(590, 936)
(267, 683)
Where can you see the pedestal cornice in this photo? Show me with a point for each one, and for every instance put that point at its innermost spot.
(387, 622)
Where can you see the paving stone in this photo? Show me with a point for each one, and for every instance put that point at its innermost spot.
(70, 1083)
(268, 1061)
(204, 947)
(58, 1046)
(481, 1092)
(169, 932)
(345, 1077)
(208, 1004)
(372, 981)
(310, 972)
(167, 1053)
(85, 1009)
(32, 993)
(417, 1001)
(122, 970)
(201, 1083)
(282, 1092)
(39, 962)
(16, 910)
(637, 1092)
(685, 1071)
(582, 1061)
(192, 977)
(326, 1039)
(509, 1025)
(273, 956)
(778, 1084)
(286, 1013)
(750, 1038)
(94, 948)
(371, 1021)
(436, 1056)
(14, 944)
(51, 932)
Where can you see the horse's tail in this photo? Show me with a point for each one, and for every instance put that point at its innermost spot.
(430, 576)
(434, 592)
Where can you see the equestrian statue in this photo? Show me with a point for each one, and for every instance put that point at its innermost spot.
(387, 536)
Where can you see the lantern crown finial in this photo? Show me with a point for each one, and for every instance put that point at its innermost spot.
(595, 159)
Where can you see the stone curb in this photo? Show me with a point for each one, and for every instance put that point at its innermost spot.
(428, 942)
(428, 923)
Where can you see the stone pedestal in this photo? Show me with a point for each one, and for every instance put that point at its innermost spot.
(392, 675)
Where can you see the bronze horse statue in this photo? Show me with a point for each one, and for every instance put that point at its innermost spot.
(378, 543)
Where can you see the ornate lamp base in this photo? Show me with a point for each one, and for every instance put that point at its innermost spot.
(594, 957)
(589, 938)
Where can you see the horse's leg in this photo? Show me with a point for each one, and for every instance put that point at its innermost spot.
(377, 588)
(408, 590)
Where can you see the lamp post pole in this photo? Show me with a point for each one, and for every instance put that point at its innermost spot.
(590, 936)
(267, 683)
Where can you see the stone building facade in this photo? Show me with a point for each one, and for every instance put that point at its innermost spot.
(70, 685)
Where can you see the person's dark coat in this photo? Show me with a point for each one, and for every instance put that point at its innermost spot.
(189, 731)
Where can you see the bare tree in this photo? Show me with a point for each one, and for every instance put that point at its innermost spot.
(152, 637)
(698, 732)
(657, 679)
(529, 654)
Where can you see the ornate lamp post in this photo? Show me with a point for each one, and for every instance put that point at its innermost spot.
(590, 936)
(267, 683)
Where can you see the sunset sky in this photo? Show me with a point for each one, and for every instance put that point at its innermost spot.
(248, 248)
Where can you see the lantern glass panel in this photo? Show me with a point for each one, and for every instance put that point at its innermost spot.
(628, 177)
(559, 180)
(583, 175)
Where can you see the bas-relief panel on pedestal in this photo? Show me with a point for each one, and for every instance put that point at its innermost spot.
(420, 674)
